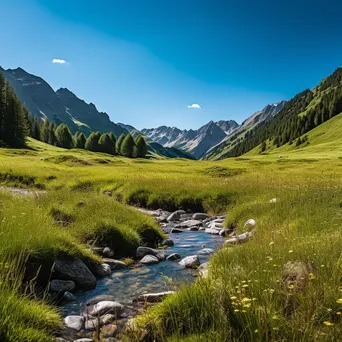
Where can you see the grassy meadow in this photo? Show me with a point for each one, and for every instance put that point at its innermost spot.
(250, 295)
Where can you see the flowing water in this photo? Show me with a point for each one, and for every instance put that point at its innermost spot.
(127, 284)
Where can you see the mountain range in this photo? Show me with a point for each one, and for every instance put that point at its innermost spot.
(63, 106)
(207, 139)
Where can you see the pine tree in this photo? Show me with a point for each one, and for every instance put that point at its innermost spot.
(52, 136)
(2, 104)
(35, 129)
(64, 137)
(141, 148)
(80, 140)
(113, 139)
(106, 144)
(127, 146)
(119, 143)
(92, 143)
(44, 131)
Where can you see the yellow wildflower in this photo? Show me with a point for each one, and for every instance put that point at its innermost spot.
(328, 324)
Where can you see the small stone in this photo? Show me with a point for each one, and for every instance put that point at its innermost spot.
(167, 242)
(108, 193)
(74, 322)
(109, 330)
(190, 261)
(106, 319)
(149, 260)
(92, 324)
(189, 223)
(57, 285)
(273, 200)
(114, 264)
(212, 231)
(206, 251)
(106, 307)
(200, 216)
(80, 204)
(68, 297)
(84, 340)
(176, 215)
(250, 223)
(108, 252)
(176, 230)
(173, 256)
(142, 251)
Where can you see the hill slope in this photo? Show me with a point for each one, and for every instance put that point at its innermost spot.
(304, 112)
(60, 106)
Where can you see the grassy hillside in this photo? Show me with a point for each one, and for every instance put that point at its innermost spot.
(322, 142)
(246, 297)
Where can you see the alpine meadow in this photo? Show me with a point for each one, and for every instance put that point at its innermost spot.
(227, 231)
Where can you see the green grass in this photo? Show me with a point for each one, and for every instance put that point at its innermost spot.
(306, 220)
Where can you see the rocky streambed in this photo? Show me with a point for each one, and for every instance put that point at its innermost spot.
(125, 290)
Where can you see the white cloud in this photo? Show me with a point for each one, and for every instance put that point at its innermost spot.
(195, 105)
(58, 61)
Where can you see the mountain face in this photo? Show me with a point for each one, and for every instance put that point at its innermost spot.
(236, 134)
(195, 142)
(213, 138)
(60, 106)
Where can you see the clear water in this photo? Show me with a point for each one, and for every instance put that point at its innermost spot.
(126, 285)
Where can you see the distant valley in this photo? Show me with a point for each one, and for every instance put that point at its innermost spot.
(63, 106)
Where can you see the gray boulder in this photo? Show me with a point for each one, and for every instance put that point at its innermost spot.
(173, 256)
(57, 285)
(167, 242)
(74, 322)
(190, 261)
(76, 271)
(85, 339)
(142, 251)
(177, 230)
(212, 231)
(200, 216)
(114, 264)
(176, 215)
(108, 252)
(189, 223)
(149, 260)
(106, 307)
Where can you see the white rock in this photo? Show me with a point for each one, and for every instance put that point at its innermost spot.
(242, 238)
(149, 260)
(273, 200)
(190, 261)
(74, 322)
(108, 252)
(200, 216)
(206, 251)
(250, 222)
(106, 307)
(154, 297)
(114, 264)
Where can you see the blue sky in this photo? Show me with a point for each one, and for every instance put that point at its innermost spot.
(145, 62)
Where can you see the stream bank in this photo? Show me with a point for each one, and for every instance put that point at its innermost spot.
(124, 293)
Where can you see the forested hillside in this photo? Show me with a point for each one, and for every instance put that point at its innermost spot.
(301, 114)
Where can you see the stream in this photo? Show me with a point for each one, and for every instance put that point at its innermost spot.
(127, 284)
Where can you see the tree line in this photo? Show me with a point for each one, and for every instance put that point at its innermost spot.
(301, 114)
(16, 124)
